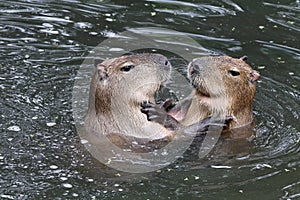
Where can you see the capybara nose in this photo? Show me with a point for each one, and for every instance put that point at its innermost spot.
(167, 63)
(194, 68)
(254, 75)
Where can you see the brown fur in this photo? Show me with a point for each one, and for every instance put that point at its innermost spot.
(116, 95)
(218, 92)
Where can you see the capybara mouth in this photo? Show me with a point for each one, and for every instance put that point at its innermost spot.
(195, 76)
(203, 93)
(200, 87)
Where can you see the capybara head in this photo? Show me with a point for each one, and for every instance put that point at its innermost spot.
(131, 78)
(227, 85)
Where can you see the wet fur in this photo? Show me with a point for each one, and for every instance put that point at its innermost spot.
(115, 98)
(217, 93)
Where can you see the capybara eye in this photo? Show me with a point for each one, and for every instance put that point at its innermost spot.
(233, 72)
(127, 68)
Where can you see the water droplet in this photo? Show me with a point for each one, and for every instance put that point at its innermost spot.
(83, 141)
(53, 167)
(51, 124)
(67, 185)
(63, 178)
(220, 167)
(116, 49)
(93, 33)
(261, 67)
(291, 73)
(83, 25)
(110, 19)
(14, 128)
(6, 196)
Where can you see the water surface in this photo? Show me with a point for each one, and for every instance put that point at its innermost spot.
(42, 45)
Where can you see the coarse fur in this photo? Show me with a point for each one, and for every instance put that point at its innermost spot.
(118, 87)
(224, 86)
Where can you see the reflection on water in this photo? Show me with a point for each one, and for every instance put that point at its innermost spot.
(42, 45)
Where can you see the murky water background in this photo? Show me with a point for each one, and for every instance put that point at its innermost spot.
(43, 43)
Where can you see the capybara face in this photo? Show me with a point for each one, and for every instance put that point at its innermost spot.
(135, 76)
(223, 77)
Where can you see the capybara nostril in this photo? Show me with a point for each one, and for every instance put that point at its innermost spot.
(194, 69)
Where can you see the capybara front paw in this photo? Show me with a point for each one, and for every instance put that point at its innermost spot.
(154, 112)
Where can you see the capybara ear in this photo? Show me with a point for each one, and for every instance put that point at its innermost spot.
(102, 72)
(244, 58)
(97, 61)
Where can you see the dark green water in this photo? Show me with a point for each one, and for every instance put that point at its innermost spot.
(42, 45)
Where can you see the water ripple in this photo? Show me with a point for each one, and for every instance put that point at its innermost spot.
(287, 16)
(278, 117)
(293, 51)
(42, 43)
(191, 9)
